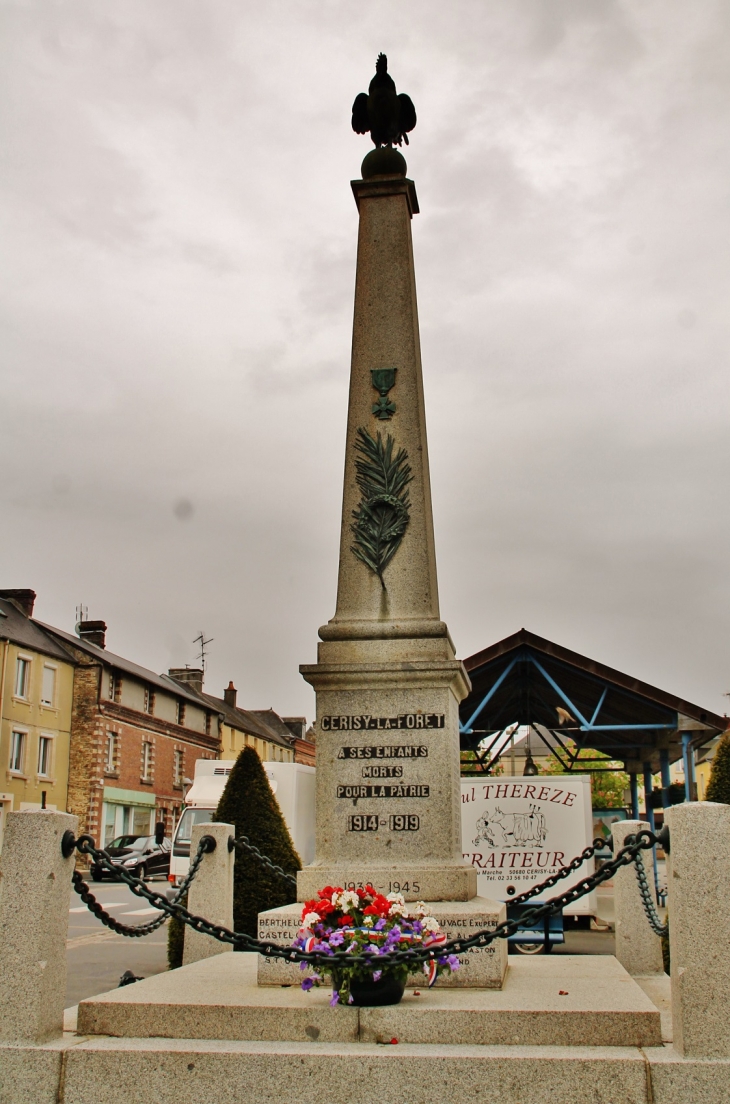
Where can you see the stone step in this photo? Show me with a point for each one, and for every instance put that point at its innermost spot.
(98, 1071)
(576, 1000)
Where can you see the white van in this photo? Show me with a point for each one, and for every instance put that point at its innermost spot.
(292, 783)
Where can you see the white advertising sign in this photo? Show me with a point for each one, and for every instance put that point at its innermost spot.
(518, 831)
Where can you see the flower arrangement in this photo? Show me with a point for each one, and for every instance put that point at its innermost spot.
(363, 921)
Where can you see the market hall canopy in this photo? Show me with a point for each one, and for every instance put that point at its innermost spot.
(575, 704)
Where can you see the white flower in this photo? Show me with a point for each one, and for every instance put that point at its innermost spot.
(368, 921)
(310, 919)
(429, 923)
(419, 909)
(398, 904)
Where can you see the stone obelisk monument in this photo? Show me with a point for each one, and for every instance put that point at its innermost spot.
(387, 682)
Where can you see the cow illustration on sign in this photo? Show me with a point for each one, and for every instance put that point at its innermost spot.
(516, 829)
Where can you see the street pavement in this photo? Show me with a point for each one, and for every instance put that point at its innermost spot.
(97, 957)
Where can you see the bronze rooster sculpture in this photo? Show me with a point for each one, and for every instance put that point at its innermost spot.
(381, 111)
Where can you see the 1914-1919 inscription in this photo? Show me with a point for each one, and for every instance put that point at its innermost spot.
(367, 723)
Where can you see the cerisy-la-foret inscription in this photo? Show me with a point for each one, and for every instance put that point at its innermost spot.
(365, 722)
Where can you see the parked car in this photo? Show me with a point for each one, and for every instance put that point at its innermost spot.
(142, 856)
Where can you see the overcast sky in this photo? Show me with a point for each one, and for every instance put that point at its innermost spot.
(179, 242)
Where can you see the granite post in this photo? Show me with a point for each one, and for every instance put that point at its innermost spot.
(35, 889)
(699, 928)
(211, 894)
(387, 682)
(638, 949)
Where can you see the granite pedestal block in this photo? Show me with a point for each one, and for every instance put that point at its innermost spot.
(638, 948)
(482, 967)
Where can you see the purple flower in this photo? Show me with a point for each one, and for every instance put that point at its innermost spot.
(307, 984)
(453, 962)
(377, 974)
(373, 949)
(336, 939)
(303, 965)
(380, 924)
(335, 999)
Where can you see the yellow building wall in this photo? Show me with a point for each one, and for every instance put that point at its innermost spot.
(702, 776)
(22, 789)
(233, 741)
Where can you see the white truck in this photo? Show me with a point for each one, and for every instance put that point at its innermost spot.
(517, 831)
(292, 784)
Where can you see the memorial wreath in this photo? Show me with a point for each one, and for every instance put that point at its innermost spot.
(365, 922)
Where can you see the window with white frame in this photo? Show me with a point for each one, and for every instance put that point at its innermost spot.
(17, 751)
(22, 677)
(147, 760)
(110, 752)
(45, 749)
(177, 767)
(48, 691)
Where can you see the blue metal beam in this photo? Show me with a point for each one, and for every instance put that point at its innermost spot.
(551, 682)
(488, 696)
(634, 783)
(666, 777)
(597, 709)
(688, 765)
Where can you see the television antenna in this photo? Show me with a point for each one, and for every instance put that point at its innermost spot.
(82, 613)
(201, 641)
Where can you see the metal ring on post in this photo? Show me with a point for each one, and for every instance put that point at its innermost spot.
(68, 844)
(208, 844)
(231, 844)
(663, 839)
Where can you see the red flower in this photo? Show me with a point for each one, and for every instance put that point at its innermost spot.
(344, 921)
(328, 891)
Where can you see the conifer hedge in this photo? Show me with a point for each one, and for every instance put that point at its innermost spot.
(249, 804)
(718, 788)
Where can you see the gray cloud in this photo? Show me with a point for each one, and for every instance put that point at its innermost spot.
(177, 305)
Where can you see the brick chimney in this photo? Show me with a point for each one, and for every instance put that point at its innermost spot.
(229, 695)
(92, 632)
(189, 676)
(23, 600)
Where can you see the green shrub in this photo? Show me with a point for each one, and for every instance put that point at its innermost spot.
(718, 788)
(249, 804)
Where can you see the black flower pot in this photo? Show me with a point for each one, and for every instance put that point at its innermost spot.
(369, 994)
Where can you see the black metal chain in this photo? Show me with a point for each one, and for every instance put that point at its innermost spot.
(134, 930)
(564, 871)
(646, 898)
(409, 955)
(244, 844)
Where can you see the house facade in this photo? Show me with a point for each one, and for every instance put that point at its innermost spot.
(240, 728)
(135, 739)
(36, 694)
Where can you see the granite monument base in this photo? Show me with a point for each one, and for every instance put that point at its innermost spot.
(481, 968)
